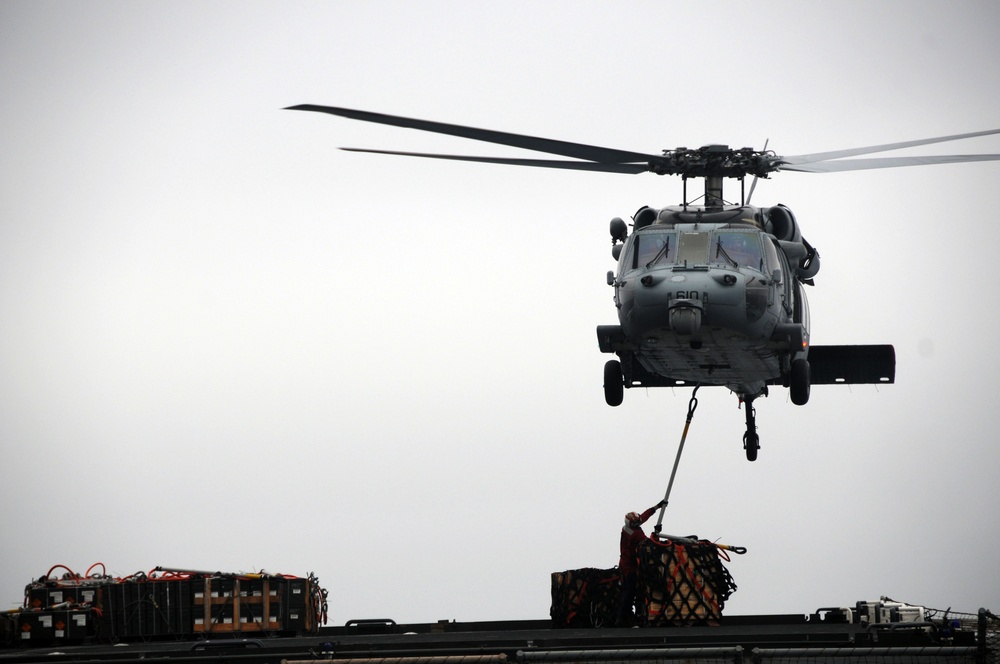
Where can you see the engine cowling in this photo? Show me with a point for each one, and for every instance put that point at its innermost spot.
(781, 224)
(644, 217)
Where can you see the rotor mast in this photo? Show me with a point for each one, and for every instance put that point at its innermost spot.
(713, 191)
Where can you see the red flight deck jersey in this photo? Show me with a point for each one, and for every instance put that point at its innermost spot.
(631, 539)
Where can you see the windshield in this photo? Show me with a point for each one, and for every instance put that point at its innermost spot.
(693, 249)
(731, 248)
(737, 250)
(651, 248)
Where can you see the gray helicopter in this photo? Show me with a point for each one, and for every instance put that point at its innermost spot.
(707, 294)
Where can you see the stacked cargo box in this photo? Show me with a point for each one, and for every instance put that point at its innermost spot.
(233, 604)
(58, 611)
(679, 583)
(585, 597)
(145, 608)
(682, 583)
(54, 626)
(164, 605)
(6, 629)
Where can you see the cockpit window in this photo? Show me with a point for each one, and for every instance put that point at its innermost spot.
(737, 250)
(771, 256)
(654, 248)
(693, 248)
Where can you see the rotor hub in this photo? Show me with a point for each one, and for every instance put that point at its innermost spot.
(715, 161)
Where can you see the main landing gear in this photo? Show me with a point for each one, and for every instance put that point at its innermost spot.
(614, 383)
(799, 379)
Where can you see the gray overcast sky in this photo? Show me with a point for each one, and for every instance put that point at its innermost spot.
(225, 344)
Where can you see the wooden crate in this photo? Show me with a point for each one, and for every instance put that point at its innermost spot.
(231, 605)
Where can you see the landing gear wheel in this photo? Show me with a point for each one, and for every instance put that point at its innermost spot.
(614, 383)
(799, 382)
(751, 443)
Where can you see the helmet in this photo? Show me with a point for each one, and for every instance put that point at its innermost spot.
(632, 519)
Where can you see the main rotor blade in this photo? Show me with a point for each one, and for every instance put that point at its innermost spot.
(541, 163)
(885, 162)
(837, 154)
(550, 146)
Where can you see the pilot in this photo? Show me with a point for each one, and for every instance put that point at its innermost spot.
(628, 564)
(740, 249)
(649, 247)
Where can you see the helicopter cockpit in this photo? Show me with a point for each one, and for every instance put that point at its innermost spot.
(732, 248)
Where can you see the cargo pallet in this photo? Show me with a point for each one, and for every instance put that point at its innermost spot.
(75, 610)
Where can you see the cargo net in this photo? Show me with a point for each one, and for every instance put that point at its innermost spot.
(681, 583)
(989, 623)
(678, 584)
(162, 604)
(985, 624)
(585, 597)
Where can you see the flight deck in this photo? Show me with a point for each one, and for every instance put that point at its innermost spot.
(825, 636)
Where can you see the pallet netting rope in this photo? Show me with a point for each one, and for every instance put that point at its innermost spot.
(682, 584)
(989, 626)
(585, 597)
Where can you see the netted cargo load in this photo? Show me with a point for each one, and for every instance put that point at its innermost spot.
(6, 629)
(682, 582)
(164, 604)
(585, 597)
(989, 636)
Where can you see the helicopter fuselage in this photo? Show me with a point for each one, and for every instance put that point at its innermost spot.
(707, 297)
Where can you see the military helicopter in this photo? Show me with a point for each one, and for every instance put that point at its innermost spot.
(707, 294)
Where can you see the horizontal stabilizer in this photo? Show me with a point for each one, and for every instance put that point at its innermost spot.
(852, 365)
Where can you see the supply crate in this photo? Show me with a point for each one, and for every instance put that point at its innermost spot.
(253, 604)
(164, 604)
(7, 622)
(682, 583)
(60, 593)
(585, 597)
(49, 626)
(146, 608)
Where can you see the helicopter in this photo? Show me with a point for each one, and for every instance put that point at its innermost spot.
(707, 292)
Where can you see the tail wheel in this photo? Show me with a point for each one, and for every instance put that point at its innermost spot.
(751, 443)
(799, 382)
(614, 383)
